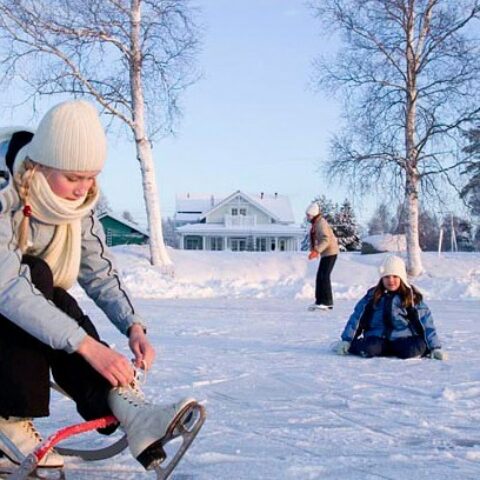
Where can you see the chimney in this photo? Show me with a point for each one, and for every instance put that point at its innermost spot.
(261, 195)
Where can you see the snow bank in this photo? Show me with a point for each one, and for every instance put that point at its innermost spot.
(384, 243)
(200, 274)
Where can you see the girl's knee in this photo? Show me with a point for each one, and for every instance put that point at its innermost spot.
(368, 347)
(409, 347)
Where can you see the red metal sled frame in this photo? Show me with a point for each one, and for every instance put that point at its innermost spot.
(31, 461)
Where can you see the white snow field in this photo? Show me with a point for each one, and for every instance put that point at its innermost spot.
(233, 331)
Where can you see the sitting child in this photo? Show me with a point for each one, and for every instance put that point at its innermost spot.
(391, 320)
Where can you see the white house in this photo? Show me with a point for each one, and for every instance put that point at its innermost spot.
(239, 222)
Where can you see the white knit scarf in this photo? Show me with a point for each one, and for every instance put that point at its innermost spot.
(64, 251)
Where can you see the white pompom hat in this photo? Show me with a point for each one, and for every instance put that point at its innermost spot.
(393, 265)
(313, 210)
(69, 137)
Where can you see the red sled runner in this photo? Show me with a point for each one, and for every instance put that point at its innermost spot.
(187, 426)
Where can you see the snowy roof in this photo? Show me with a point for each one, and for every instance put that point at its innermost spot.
(126, 222)
(220, 229)
(195, 203)
(279, 205)
(192, 207)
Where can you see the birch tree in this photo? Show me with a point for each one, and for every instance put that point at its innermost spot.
(409, 74)
(133, 57)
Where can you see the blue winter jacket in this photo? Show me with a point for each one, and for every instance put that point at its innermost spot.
(369, 320)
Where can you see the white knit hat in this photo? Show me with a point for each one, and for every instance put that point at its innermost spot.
(313, 210)
(393, 265)
(69, 137)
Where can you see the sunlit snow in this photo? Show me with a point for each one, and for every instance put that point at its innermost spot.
(233, 331)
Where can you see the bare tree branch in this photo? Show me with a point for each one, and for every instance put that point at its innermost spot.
(410, 77)
(134, 58)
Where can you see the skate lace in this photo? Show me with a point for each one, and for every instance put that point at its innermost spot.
(30, 428)
(133, 393)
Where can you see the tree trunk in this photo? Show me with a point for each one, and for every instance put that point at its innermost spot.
(414, 260)
(158, 251)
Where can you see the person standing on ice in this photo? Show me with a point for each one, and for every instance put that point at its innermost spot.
(324, 244)
(49, 239)
(391, 319)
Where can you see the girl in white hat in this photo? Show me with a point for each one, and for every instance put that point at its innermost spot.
(391, 319)
(323, 245)
(50, 238)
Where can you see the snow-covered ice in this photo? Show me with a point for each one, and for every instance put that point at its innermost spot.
(233, 331)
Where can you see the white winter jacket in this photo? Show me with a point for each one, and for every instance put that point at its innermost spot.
(25, 306)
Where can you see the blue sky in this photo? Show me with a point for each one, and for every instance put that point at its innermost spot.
(251, 123)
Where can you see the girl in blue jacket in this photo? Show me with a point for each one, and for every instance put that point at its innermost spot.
(391, 320)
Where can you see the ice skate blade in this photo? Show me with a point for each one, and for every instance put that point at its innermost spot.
(189, 423)
(8, 463)
(15, 472)
(319, 308)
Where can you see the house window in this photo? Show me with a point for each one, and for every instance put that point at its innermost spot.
(216, 243)
(282, 244)
(234, 211)
(193, 242)
(261, 244)
(243, 211)
(238, 244)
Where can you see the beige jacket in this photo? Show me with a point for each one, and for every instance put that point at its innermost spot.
(322, 238)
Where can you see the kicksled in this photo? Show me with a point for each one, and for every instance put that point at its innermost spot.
(187, 428)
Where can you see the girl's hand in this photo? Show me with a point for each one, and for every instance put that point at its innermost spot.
(141, 347)
(116, 368)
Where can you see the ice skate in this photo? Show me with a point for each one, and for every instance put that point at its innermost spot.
(319, 306)
(150, 427)
(19, 437)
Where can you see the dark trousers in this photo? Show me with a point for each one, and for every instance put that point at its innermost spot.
(323, 285)
(25, 362)
(407, 347)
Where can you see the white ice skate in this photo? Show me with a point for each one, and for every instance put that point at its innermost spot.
(150, 427)
(18, 438)
(319, 306)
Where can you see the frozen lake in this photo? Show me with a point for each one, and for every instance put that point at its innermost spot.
(282, 406)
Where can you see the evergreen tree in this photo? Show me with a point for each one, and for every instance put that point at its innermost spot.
(346, 228)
